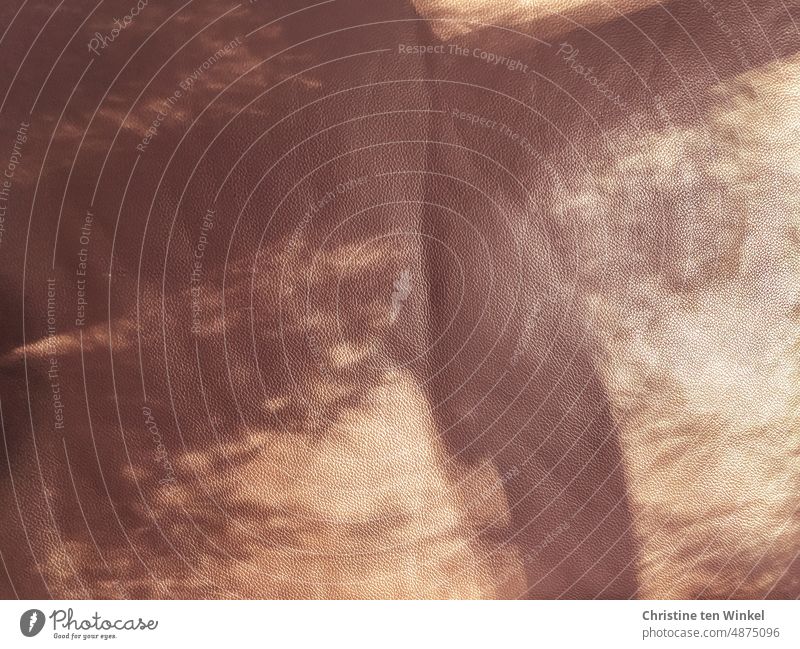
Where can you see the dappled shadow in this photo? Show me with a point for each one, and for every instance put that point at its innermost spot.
(340, 340)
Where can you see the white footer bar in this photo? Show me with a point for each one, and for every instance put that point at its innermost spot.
(374, 625)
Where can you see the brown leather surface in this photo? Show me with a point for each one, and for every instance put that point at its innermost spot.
(516, 316)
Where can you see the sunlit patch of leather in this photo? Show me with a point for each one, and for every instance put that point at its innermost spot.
(704, 375)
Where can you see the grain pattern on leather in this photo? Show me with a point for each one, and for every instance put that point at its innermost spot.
(296, 310)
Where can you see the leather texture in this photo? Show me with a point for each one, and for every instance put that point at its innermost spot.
(360, 299)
